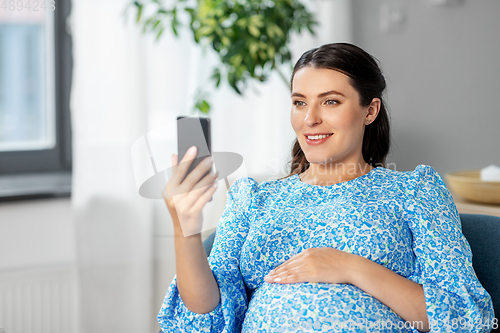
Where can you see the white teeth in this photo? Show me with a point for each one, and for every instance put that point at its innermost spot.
(316, 137)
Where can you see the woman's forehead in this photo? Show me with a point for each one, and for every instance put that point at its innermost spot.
(310, 80)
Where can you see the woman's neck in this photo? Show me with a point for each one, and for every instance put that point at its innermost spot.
(321, 175)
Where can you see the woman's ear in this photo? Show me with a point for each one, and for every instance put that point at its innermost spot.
(373, 109)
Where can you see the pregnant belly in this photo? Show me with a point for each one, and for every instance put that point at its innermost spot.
(318, 307)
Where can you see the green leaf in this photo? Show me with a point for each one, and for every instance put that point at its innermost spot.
(242, 22)
(204, 107)
(254, 31)
(277, 30)
(175, 24)
(253, 48)
(205, 31)
(231, 77)
(257, 20)
(225, 41)
(159, 34)
(270, 32)
(216, 76)
(139, 12)
(271, 52)
(237, 60)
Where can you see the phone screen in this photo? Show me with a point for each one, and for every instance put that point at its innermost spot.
(194, 131)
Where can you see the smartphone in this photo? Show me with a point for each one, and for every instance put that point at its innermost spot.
(194, 131)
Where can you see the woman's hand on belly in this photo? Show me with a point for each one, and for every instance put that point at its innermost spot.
(324, 264)
(329, 265)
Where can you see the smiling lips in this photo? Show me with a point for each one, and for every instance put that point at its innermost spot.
(317, 138)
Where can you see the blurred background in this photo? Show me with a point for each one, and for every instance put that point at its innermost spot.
(80, 249)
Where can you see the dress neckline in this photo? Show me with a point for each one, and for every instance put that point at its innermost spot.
(296, 179)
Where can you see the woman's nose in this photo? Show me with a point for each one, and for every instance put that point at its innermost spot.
(313, 116)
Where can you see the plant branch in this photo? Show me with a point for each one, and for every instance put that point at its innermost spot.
(282, 76)
(246, 34)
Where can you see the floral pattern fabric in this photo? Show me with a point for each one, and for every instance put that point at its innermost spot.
(405, 221)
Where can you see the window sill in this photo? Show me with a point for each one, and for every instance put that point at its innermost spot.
(37, 185)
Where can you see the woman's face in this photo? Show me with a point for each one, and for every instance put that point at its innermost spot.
(324, 102)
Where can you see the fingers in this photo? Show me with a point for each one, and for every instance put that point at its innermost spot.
(286, 274)
(210, 179)
(166, 192)
(187, 198)
(191, 193)
(191, 216)
(205, 197)
(174, 162)
(287, 264)
(291, 277)
(193, 180)
(180, 168)
(196, 192)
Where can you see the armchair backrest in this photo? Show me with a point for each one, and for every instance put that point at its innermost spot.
(483, 234)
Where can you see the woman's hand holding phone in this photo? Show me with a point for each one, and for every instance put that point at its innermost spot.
(185, 200)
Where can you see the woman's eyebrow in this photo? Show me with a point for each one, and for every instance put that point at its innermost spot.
(331, 92)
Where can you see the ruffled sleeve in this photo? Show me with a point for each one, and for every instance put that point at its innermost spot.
(455, 299)
(224, 261)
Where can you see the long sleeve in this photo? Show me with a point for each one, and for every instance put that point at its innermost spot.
(224, 261)
(455, 299)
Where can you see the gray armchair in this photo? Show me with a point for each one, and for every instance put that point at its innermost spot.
(483, 234)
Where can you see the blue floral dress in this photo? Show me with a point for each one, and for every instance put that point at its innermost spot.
(405, 221)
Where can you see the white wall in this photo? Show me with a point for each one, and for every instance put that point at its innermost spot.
(38, 267)
(36, 233)
(443, 74)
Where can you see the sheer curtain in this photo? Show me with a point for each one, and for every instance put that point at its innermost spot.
(124, 85)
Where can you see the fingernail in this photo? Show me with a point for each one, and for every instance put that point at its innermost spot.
(277, 279)
(208, 161)
(191, 150)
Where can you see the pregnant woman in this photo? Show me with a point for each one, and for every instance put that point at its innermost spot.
(342, 244)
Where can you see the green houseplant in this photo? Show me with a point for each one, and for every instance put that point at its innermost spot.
(251, 37)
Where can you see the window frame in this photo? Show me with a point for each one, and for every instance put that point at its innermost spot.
(50, 169)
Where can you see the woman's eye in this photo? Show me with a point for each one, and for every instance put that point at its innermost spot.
(331, 102)
(299, 103)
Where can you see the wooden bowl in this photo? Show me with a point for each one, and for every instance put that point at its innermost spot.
(469, 186)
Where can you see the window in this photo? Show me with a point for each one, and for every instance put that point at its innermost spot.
(35, 79)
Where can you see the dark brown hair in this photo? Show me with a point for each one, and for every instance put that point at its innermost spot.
(366, 77)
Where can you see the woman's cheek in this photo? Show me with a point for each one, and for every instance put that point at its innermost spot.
(295, 121)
